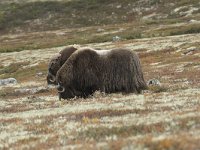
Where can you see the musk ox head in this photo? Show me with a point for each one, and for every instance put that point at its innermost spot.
(64, 91)
(64, 78)
(54, 66)
(57, 61)
(77, 77)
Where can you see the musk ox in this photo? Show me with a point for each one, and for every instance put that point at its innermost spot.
(88, 70)
(57, 61)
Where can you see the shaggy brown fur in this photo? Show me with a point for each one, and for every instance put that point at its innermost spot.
(57, 61)
(88, 70)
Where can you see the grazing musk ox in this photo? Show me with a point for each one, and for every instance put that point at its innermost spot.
(57, 61)
(88, 70)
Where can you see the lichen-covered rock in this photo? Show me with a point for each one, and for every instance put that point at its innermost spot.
(116, 38)
(8, 81)
(154, 82)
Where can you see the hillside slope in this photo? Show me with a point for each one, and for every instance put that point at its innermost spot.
(50, 15)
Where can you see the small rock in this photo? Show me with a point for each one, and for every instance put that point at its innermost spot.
(100, 30)
(119, 6)
(116, 38)
(154, 82)
(8, 81)
(39, 74)
(192, 21)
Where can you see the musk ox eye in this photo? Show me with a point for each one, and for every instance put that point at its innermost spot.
(53, 63)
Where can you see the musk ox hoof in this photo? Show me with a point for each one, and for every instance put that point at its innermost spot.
(154, 82)
(8, 81)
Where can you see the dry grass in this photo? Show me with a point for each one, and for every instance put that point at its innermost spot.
(15, 108)
(169, 143)
(124, 131)
(164, 117)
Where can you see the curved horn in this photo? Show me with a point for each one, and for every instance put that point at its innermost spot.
(60, 88)
(52, 78)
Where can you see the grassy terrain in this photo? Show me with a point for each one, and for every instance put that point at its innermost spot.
(166, 36)
(20, 42)
(165, 117)
(51, 15)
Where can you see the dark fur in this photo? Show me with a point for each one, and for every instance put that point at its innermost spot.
(86, 71)
(57, 61)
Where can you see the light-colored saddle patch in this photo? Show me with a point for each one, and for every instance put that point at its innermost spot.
(102, 52)
(99, 52)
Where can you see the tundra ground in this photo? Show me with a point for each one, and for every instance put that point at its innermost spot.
(165, 117)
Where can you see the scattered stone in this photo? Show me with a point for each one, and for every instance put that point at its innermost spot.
(8, 81)
(40, 74)
(153, 82)
(100, 30)
(116, 38)
(193, 21)
(119, 6)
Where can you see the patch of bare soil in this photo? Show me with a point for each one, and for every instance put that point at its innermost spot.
(166, 117)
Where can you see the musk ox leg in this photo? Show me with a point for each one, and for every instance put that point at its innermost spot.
(59, 96)
(139, 91)
(76, 92)
(103, 90)
(60, 89)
